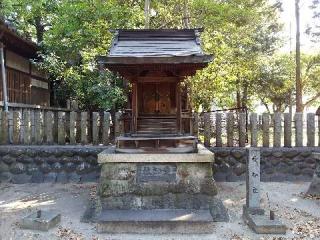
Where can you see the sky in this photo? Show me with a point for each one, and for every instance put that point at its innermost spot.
(288, 18)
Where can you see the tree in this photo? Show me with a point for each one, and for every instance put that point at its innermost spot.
(275, 82)
(31, 18)
(299, 105)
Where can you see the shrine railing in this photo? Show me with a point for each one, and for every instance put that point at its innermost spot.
(240, 129)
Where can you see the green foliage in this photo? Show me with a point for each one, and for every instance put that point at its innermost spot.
(242, 35)
(275, 82)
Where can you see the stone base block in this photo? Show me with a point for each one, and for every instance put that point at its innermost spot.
(261, 223)
(40, 220)
(155, 221)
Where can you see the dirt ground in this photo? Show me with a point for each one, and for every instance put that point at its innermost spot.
(301, 214)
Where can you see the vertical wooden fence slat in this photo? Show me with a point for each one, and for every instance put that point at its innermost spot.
(106, 128)
(49, 120)
(116, 124)
(242, 129)
(33, 137)
(230, 129)
(277, 129)
(84, 127)
(298, 118)
(287, 129)
(265, 130)
(26, 127)
(195, 124)
(318, 130)
(61, 128)
(254, 130)
(16, 127)
(218, 127)
(95, 128)
(207, 129)
(38, 125)
(72, 125)
(5, 127)
(311, 129)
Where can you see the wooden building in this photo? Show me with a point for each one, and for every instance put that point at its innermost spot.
(25, 83)
(156, 62)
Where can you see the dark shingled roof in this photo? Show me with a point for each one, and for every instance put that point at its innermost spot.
(148, 46)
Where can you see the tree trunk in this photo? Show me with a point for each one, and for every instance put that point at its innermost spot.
(39, 29)
(299, 105)
(147, 14)
(185, 14)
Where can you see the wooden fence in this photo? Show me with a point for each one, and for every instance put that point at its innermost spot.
(57, 127)
(39, 126)
(266, 130)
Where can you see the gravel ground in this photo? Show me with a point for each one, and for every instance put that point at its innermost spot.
(301, 214)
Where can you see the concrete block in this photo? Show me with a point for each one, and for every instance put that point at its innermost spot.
(41, 220)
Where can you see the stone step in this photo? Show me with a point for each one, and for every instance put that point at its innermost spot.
(155, 221)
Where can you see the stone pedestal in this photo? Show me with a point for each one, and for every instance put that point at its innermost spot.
(161, 191)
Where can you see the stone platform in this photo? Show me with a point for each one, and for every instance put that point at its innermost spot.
(154, 186)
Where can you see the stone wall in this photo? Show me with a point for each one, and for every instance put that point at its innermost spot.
(21, 164)
(277, 164)
(37, 164)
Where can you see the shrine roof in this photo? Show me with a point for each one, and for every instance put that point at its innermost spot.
(150, 46)
(15, 42)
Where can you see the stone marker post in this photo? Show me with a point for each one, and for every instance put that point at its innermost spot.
(253, 178)
(314, 188)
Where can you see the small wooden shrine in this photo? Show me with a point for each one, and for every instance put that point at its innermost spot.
(156, 62)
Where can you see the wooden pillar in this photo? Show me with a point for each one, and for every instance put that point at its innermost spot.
(134, 106)
(178, 104)
(4, 78)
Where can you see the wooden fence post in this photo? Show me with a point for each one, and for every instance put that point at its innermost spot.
(242, 129)
(287, 130)
(318, 130)
(254, 130)
(106, 128)
(38, 125)
(84, 127)
(218, 130)
(95, 128)
(311, 128)
(298, 118)
(26, 127)
(277, 118)
(265, 130)
(207, 129)
(230, 129)
(72, 125)
(49, 120)
(16, 127)
(116, 124)
(61, 128)
(195, 124)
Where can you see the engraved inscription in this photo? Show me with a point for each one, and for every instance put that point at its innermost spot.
(156, 173)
